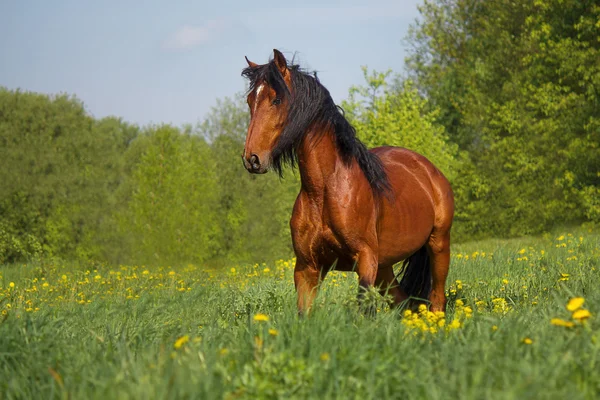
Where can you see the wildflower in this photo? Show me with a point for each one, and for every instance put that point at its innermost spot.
(581, 315)
(223, 351)
(12, 284)
(267, 270)
(181, 341)
(494, 328)
(455, 324)
(575, 303)
(505, 281)
(561, 322)
(325, 357)
(273, 332)
(527, 341)
(261, 317)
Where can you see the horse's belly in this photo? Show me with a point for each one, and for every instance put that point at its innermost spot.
(405, 226)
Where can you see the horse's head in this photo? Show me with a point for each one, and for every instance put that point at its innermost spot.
(268, 99)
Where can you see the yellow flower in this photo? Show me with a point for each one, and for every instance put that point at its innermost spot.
(261, 317)
(561, 322)
(325, 357)
(181, 341)
(273, 332)
(581, 315)
(12, 284)
(494, 328)
(505, 281)
(527, 341)
(575, 303)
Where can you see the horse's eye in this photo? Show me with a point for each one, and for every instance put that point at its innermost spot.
(276, 101)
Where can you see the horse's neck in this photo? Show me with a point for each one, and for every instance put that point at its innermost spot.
(319, 162)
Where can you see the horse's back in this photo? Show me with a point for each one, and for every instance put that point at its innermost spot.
(422, 202)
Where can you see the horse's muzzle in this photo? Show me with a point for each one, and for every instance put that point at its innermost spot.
(253, 165)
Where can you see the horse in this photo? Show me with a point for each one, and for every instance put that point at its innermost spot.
(357, 210)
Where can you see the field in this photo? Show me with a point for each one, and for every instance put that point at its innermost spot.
(190, 332)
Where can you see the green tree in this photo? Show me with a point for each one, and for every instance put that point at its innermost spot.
(171, 215)
(517, 87)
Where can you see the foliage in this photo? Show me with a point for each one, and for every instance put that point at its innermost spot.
(85, 189)
(516, 84)
(384, 116)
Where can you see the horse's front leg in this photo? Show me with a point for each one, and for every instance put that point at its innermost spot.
(367, 263)
(306, 278)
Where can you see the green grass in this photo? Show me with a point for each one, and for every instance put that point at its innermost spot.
(111, 332)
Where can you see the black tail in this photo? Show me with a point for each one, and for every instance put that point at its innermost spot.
(416, 278)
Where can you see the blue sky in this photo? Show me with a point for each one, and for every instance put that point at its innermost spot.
(158, 61)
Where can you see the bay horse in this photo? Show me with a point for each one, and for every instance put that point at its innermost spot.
(358, 210)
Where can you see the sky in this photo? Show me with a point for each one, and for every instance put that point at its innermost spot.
(169, 61)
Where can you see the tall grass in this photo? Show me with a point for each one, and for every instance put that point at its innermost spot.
(190, 332)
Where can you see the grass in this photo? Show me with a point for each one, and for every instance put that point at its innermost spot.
(136, 332)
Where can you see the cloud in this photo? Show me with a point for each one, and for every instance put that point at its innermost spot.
(189, 36)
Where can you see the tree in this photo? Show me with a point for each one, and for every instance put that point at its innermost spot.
(517, 87)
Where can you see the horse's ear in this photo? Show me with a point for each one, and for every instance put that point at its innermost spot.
(250, 63)
(280, 62)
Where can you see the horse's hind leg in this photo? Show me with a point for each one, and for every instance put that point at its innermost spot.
(439, 254)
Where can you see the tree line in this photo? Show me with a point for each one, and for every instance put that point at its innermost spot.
(502, 96)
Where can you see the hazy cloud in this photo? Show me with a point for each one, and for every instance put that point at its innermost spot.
(189, 36)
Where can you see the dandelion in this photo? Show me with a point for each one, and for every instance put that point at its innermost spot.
(575, 303)
(261, 317)
(505, 281)
(581, 315)
(181, 341)
(561, 322)
(494, 328)
(527, 341)
(273, 332)
(12, 284)
(325, 357)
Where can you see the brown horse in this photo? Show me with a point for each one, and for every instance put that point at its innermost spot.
(357, 209)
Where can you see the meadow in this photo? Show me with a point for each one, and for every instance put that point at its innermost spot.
(522, 322)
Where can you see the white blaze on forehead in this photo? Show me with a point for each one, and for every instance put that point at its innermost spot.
(258, 90)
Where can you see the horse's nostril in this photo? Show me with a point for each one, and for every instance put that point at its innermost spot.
(254, 162)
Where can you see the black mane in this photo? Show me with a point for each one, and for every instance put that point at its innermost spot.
(310, 103)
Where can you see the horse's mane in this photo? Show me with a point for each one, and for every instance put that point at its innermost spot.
(309, 102)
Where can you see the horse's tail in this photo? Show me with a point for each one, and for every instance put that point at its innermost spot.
(416, 280)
